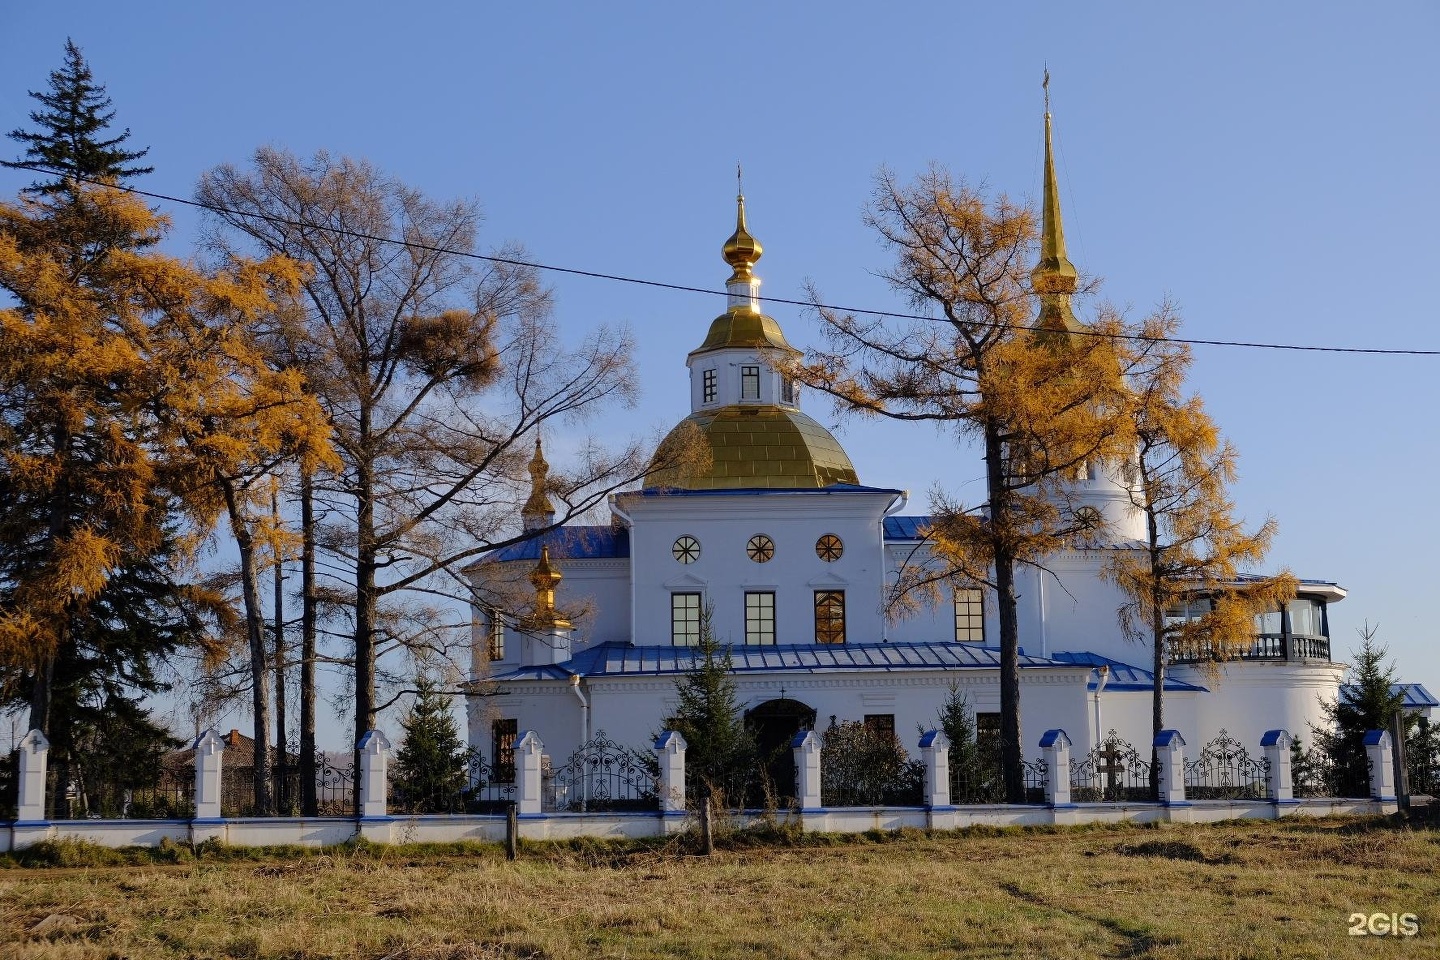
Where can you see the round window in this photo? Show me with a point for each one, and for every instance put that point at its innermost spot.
(760, 548)
(686, 549)
(829, 548)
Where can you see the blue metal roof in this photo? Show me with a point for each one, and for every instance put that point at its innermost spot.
(1416, 696)
(1123, 676)
(622, 658)
(570, 543)
(905, 528)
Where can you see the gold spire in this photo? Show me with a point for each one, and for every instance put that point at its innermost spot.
(538, 511)
(1054, 277)
(545, 578)
(742, 250)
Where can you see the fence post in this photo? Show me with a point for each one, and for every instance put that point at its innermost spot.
(30, 790)
(670, 749)
(528, 750)
(1055, 747)
(374, 765)
(1382, 774)
(209, 750)
(935, 747)
(806, 747)
(1279, 788)
(1170, 754)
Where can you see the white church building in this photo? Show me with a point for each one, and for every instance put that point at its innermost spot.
(792, 553)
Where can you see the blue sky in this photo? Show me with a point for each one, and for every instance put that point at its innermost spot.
(1268, 166)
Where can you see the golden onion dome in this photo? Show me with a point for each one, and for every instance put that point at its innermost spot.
(741, 251)
(751, 447)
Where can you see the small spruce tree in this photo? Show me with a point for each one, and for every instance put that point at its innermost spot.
(721, 752)
(974, 765)
(1368, 702)
(429, 766)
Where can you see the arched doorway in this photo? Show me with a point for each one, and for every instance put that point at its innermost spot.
(774, 724)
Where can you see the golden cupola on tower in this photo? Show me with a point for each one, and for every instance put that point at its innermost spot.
(746, 429)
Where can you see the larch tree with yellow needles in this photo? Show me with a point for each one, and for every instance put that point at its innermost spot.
(130, 388)
(1041, 399)
(1184, 587)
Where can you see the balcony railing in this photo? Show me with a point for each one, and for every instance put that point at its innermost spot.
(1264, 646)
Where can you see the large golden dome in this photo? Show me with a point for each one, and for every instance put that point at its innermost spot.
(751, 446)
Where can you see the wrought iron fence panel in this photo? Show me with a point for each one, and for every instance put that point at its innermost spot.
(477, 786)
(1224, 770)
(334, 788)
(1423, 773)
(9, 785)
(166, 794)
(1113, 772)
(904, 787)
(753, 789)
(601, 776)
(1319, 775)
(1036, 773)
(981, 780)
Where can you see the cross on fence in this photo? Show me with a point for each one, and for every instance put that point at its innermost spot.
(1112, 767)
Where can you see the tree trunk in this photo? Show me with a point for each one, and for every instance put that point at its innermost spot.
(255, 634)
(365, 603)
(1011, 750)
(1157, 631)
(283, 799)
(309, 802)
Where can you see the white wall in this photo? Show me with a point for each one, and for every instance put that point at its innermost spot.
(724, 573)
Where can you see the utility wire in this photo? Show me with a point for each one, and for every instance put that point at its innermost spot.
(661, 285)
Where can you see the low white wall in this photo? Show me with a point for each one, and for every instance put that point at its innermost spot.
(329, 831)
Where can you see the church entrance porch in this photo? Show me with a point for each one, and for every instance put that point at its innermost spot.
(774, 724)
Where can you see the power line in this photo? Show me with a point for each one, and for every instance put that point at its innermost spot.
(682, 288)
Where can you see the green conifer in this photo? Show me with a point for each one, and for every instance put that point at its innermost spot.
(721, 752)
(429, 766)
(70, 136)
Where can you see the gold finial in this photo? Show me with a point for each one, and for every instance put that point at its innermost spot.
(545, 578)
(1054, 277)
(538, 511)
(742, 250)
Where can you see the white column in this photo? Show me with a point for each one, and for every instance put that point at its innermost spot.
(1278, 783)
(374, 766)
(30, 793)
(1382, 772)
(806, 747)
(209, 752)
(1055, 748)
(670, 749)
(935, 748)
(1170, 754)
(528, 750)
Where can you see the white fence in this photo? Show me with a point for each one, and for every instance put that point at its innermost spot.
(376, 824)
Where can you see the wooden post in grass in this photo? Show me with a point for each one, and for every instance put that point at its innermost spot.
(707, 831)
(512, 830)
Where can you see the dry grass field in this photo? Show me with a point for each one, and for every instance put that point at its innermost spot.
(1252, 889)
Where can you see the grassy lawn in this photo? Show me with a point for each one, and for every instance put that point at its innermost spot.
(1250, 889)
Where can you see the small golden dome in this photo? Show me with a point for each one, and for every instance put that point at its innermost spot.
(756, 447)
(741, 251)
